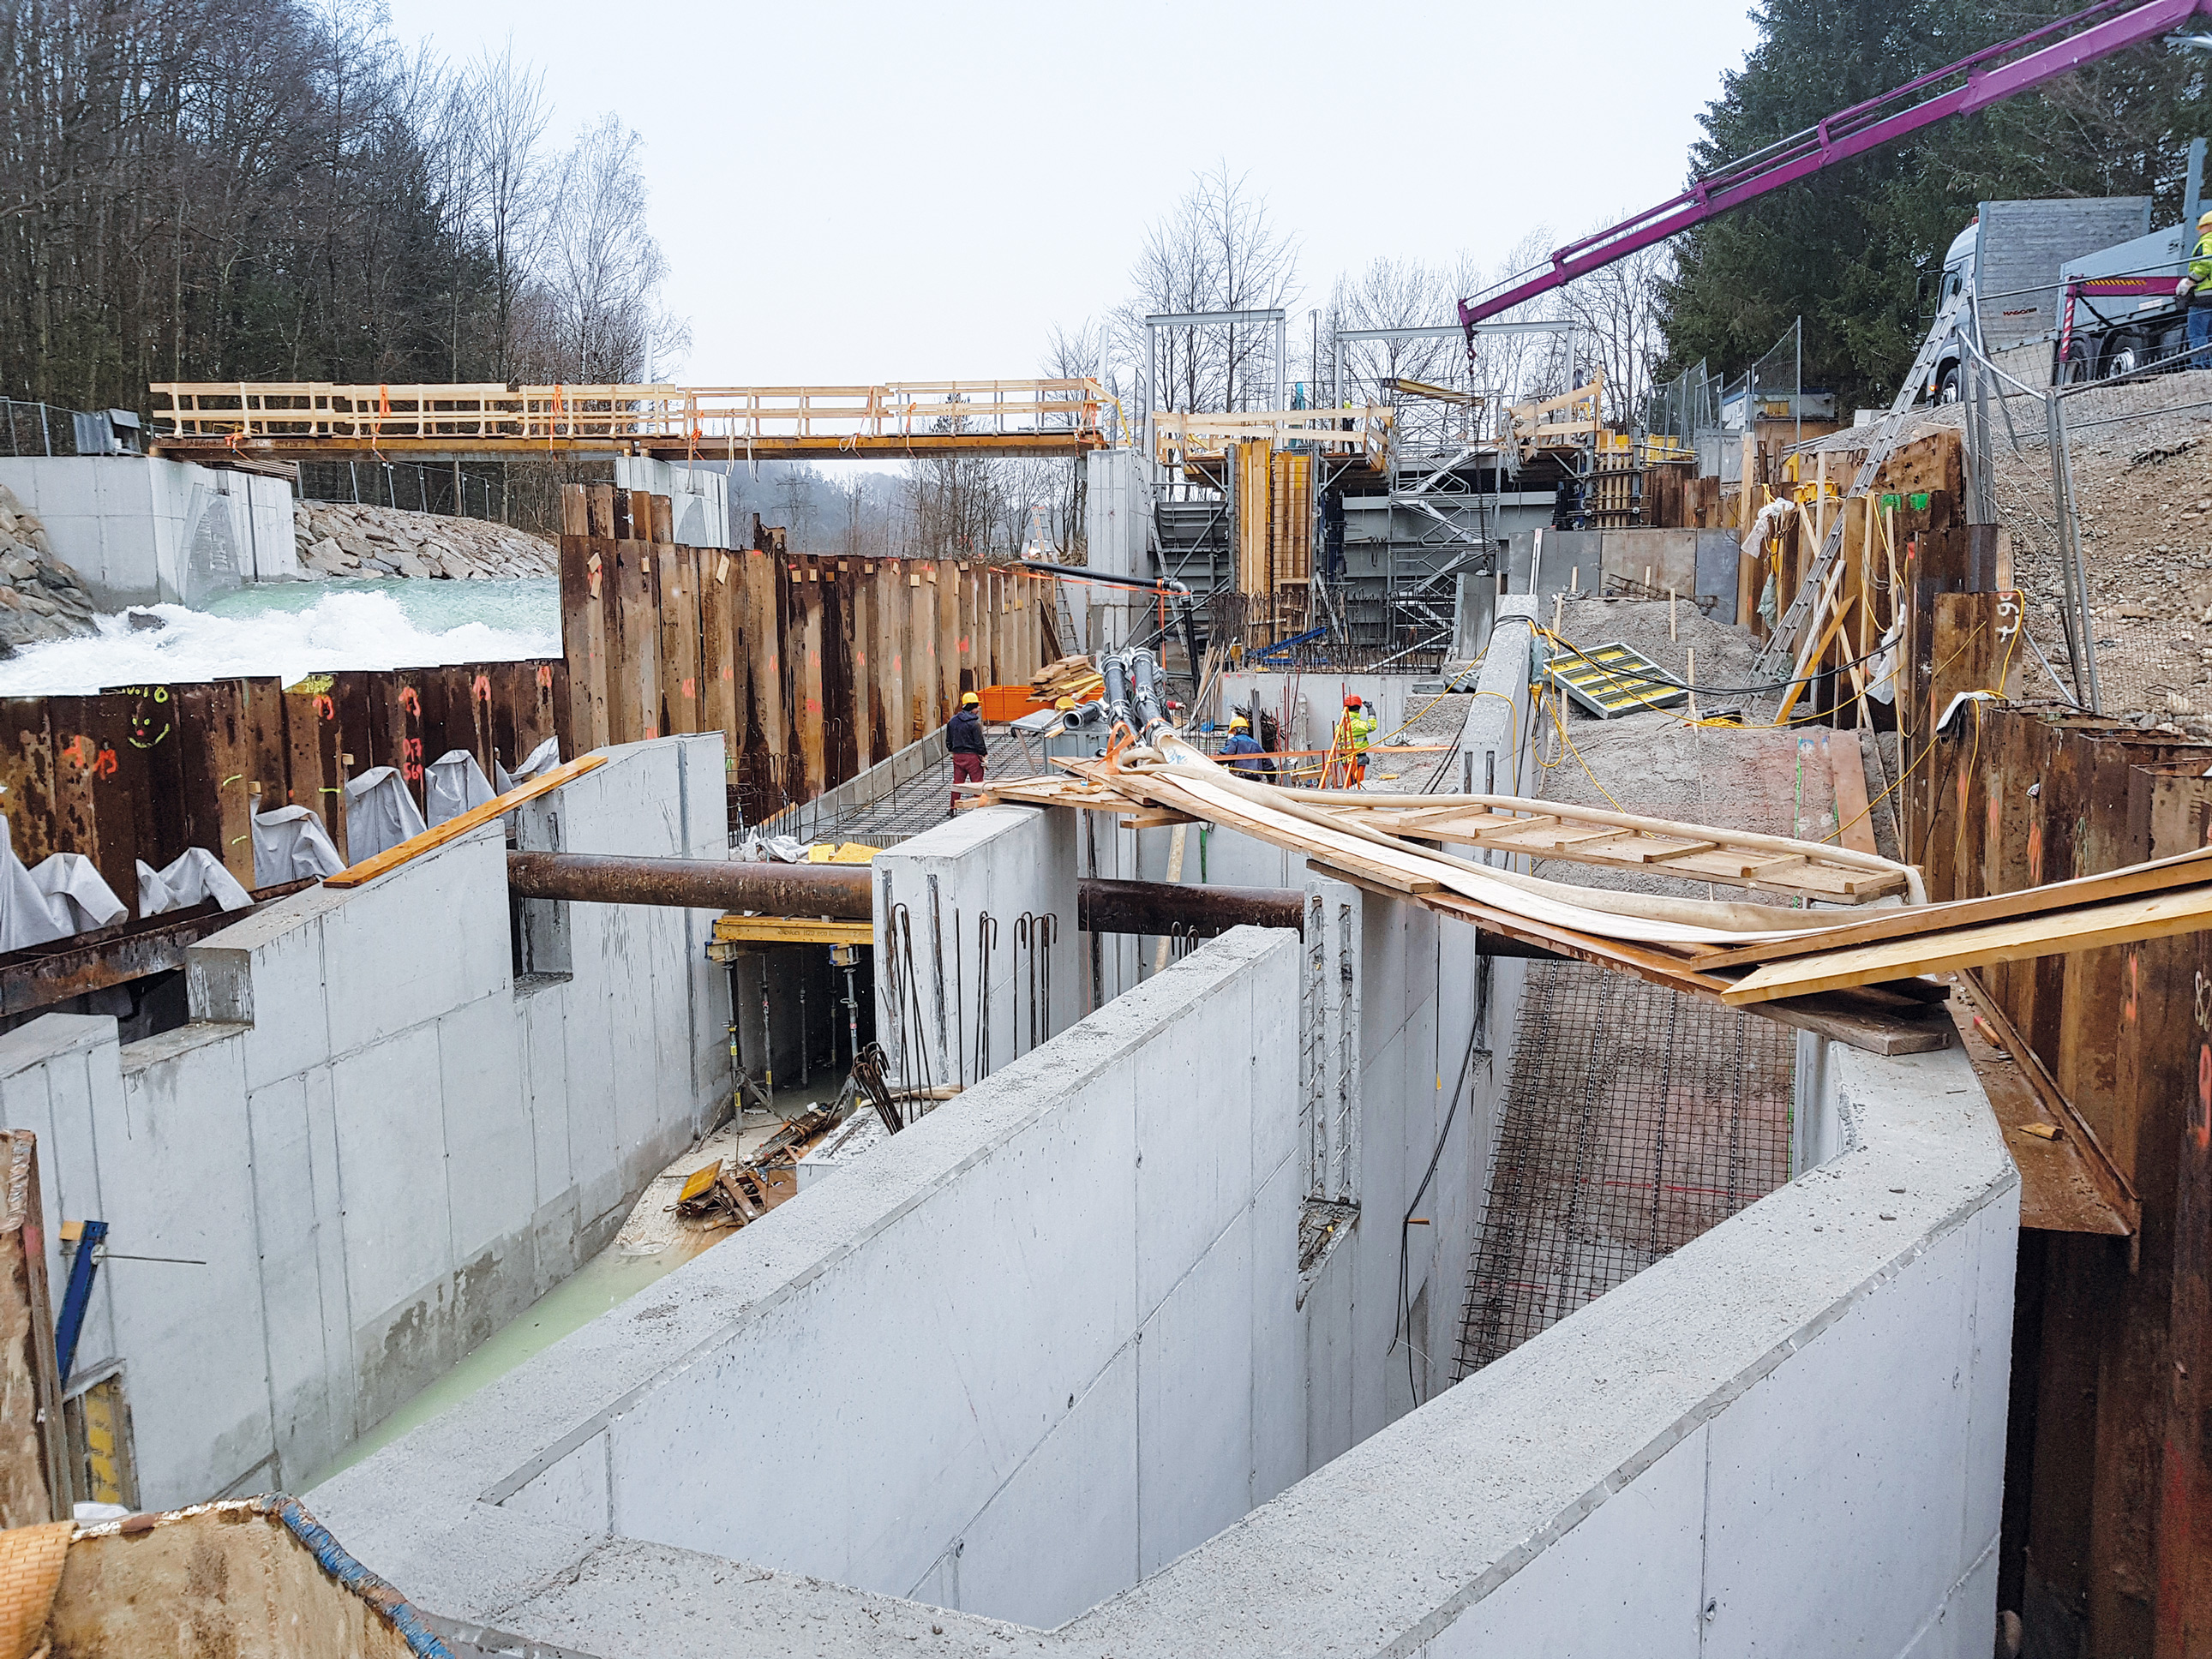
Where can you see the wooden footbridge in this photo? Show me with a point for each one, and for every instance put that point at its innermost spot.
(316, 421)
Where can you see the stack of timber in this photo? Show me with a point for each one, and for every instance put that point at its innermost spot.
(812, 668)
(1070, 676)
(1863, 980)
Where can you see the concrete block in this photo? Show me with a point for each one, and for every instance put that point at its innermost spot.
(491, 1164)
(1077, 1488)
(393, 1189)
(1194, 1403)
(1194, 1106)
(1794, 1531)
(1625, 1579)
(400, 953)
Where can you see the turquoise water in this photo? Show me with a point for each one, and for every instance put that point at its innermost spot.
(523, 605)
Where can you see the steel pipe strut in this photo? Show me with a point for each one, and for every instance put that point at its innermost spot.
(1162, 908)
(842, 892)
(846, 892)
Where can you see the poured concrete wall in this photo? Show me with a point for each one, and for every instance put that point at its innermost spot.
(144, 531)
(379, 1143)
(941, 972)
(1786, 1437)
(698, 499)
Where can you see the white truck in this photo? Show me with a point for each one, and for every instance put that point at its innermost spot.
(2074, 288)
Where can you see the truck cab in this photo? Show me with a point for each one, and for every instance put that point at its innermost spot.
(1953, 301)
(2002, 286)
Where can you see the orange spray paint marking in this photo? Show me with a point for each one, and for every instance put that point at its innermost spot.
(326, 708)
(410, 702)
(544, 676)
(2035, 854)
(690, 688)
(482, 688)
(2135, 987)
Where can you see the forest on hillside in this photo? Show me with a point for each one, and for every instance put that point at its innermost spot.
(271, 189)
(1856, 251)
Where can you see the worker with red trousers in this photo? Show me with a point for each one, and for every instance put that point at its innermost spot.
(964, 738)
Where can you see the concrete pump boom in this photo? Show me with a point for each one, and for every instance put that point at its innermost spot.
(1851, 132)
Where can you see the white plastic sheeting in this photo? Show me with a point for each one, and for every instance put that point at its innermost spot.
(544, 758)
(62, 896)
(290, 844)
(192, 878)
(453, 784)
(380, 812)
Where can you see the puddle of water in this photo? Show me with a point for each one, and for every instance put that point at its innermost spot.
(601, 1284)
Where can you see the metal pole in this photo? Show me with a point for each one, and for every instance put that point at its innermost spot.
(2080, 643)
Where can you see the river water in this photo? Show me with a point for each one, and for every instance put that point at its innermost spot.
(293, 630)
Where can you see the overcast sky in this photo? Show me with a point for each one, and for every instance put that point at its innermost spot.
(858, 193)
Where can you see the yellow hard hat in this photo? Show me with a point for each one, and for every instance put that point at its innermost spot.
(967, 698)
(2204, 218)
(1240, 724)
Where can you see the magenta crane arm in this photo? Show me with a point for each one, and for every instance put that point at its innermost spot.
(1851, 132)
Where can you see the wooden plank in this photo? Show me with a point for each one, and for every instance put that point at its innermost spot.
(1847, 768)
(2114, 1193)
(2186, 870)
(791, 930)
(453, 827)
(2123, 922)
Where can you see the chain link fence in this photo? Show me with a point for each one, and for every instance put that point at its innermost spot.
(2104, 491)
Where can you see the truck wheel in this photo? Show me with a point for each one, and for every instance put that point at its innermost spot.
(1946, 389)
(2079, 366)
(2124, 355)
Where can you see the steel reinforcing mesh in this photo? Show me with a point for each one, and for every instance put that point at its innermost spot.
(1635, 1119)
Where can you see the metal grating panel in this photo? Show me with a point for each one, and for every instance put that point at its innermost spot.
(1610, 679)
(1635, 1118)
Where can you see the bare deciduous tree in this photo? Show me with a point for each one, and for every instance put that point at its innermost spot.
(601, 321)
(1218, 249)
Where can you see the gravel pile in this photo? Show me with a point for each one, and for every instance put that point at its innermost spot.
(42, 598)
(338, 539)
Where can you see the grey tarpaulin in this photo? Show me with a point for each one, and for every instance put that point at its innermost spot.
(544, 758)
(381, 813)
(63, 896)
(453, 784)
(193, 877)
(290, 843)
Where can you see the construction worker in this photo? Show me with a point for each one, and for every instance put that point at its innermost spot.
(1349, 748)
(2194, 289)
(1241, 742)
(963, 739)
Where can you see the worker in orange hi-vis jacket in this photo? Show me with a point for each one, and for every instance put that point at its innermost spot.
(1348, 747)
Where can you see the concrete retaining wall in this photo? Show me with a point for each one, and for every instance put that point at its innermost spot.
(381, 1145)
(144, 531)
(699, 499)
(1787, 1437)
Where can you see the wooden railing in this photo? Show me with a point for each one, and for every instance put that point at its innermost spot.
(711, 422)
(1363, 431)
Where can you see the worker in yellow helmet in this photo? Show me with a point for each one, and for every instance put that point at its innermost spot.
(963, 739)
(1349, 746)
(2194, 290)
(1240, 742)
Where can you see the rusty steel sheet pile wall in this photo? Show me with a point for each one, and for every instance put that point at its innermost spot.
(812, 667)
(143, 772)
(2108, 1501)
